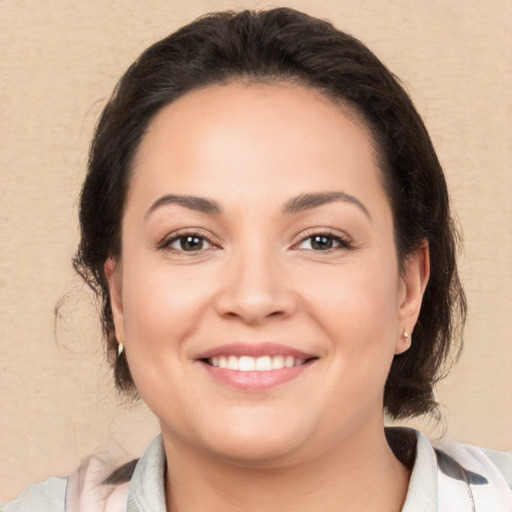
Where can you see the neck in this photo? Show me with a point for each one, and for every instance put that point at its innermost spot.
(358, 476)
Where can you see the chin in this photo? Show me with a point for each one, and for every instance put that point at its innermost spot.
(254, 453)
(256, 441)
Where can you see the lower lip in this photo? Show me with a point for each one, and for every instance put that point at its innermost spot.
(255, 381)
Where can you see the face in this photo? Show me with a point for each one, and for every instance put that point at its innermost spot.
(258, 294)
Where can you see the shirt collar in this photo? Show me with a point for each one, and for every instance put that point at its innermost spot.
(147, 486)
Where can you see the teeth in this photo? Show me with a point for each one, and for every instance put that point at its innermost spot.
(277, 362)
(232, 363)
(263, 364)
(259, 364)
(289, 361)
(246, 364)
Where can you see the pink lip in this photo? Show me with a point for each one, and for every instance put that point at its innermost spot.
(254, 350)
(254, 380)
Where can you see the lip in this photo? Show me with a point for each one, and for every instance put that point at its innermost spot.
(254, 381)
(254, 350)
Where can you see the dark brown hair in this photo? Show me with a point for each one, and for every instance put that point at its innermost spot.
(283, 44)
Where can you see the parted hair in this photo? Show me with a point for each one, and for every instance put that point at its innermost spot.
(286, 45)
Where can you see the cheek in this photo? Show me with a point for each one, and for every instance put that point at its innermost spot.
(163, 307)
(354, 300)
(356, 309)
(163, 304)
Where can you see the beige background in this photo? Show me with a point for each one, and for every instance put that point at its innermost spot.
(59, 62)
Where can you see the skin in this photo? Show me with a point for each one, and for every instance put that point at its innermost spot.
(315, 442)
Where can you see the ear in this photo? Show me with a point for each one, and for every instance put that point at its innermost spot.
(413, 282)
(112, 270)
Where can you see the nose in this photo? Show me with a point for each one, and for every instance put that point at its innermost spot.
(255, 290)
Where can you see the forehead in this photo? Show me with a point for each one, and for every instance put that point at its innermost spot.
(252, 140)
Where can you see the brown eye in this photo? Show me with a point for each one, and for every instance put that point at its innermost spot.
(321, 242)
(191, 243)
(188, 243)
(324, 242)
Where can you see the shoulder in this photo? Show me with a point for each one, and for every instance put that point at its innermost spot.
(496, 465)
(93, 487)
(448, 476)
(100, 485)
(469, 473)
(502, 461)
(48, 496)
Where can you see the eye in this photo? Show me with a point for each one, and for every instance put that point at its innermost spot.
(188, 242)
(324, 242)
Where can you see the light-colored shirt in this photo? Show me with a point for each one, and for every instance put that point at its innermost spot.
(446, 477)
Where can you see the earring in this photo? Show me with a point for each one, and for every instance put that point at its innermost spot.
(406, 337)
(120, 349)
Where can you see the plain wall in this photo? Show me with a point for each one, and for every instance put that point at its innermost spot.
(59, 62)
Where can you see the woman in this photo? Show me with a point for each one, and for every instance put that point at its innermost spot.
(268, 227)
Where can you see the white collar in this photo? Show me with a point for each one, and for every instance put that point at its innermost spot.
(446, 477)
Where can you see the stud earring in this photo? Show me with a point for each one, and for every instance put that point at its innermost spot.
(120, 349)
(406, 338)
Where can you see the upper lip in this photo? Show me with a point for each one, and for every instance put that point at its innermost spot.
(254, 350)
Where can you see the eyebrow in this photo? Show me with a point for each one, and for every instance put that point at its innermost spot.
(314, 200)
(296, 205)
(200, 204)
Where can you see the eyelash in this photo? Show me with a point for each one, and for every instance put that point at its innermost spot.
(344, 242)
(166, 244)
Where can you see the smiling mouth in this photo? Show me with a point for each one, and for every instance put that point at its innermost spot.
(256, 364)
